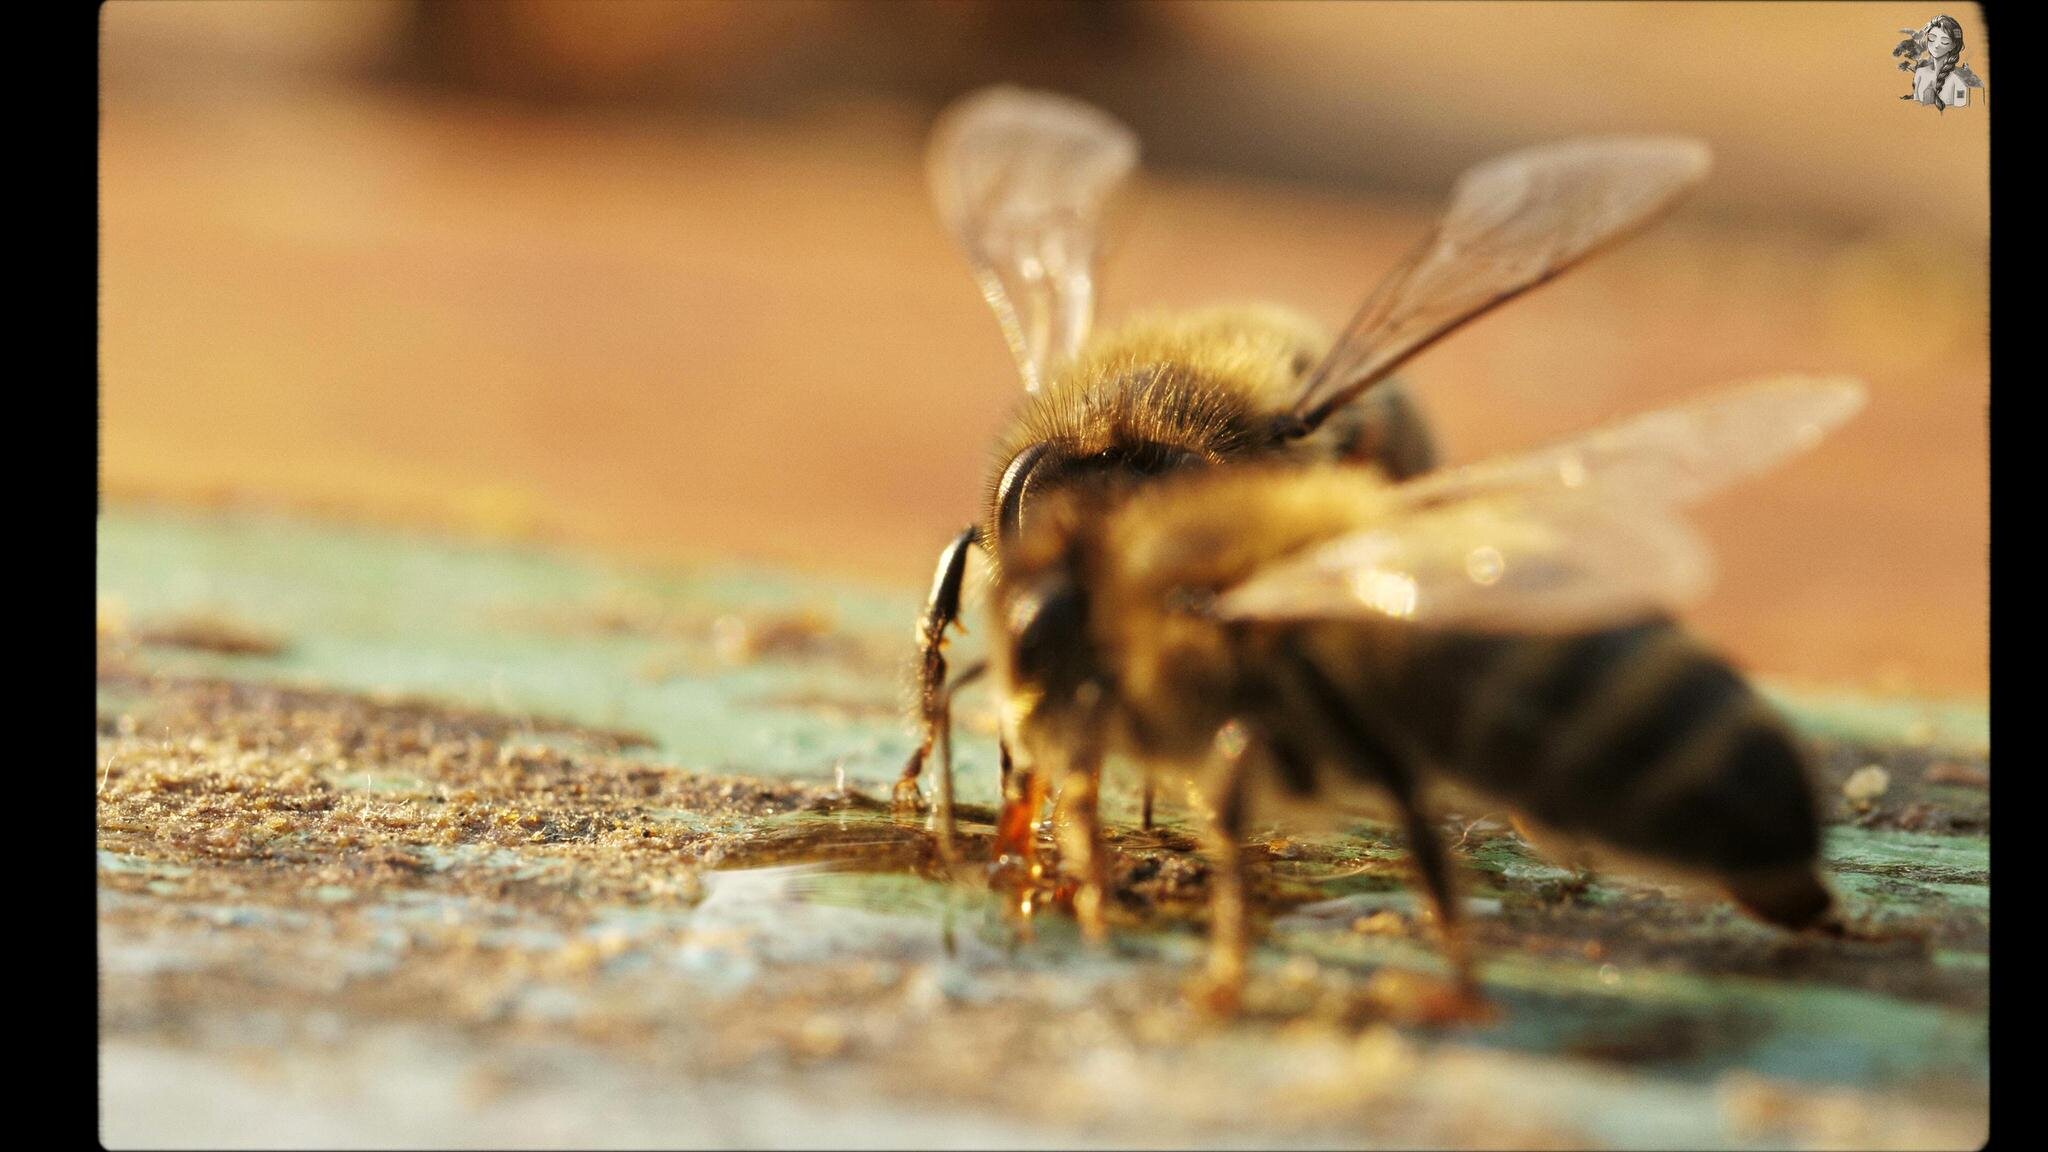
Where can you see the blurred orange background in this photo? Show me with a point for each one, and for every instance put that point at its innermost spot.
(660, 278)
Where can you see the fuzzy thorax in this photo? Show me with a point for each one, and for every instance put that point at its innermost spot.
(1158, 391)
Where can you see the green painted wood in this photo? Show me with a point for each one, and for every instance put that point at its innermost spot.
(792, 949)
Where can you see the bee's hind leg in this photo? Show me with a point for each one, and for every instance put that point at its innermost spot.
(1379, 752)
(1432, 860)
(1465, 1002)
(1433, 864)
(941, 612)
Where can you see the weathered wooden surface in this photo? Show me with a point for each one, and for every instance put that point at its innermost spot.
(403, 841)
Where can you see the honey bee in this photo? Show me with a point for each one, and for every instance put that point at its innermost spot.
(1288, 637)
(1022, 181)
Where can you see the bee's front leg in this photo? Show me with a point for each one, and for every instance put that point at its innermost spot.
(941, 612)
(942, 807)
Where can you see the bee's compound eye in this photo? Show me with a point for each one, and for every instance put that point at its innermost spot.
(1011, 489)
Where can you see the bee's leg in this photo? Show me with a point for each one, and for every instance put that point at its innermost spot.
(1381, 751)
(1222, 985)
(1791, 896)
(1565, 854)
(1426, 851)
(941, 611)
(1527, 832)
(1013, 862)
(1145, 805)
(1023, 796)
(1433, 863)
(942, 809)
(1077, 817)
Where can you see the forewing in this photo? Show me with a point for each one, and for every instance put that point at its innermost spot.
(1021, 179)
(1506, 564)
(1580, 535)
(1672, 456)
(1513, 222)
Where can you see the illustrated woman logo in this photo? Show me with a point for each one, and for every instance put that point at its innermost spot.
(1934, 56)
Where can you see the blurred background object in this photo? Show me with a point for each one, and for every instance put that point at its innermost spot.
(660, 277)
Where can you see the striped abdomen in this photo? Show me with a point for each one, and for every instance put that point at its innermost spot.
(1635, 737)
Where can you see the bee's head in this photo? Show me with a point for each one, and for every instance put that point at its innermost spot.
(1039, 473)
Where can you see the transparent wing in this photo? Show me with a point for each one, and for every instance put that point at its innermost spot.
(1672, 456)
(1021, 178)
(1580, 535)
(1513, 222)
(1501, 564)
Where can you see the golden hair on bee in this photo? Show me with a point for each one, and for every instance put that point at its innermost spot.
(1197, 381)
(1022, 181)
(1155, 394)
(1217, 527)
(1287, 636)
(1118, 567)
(1144, 569)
